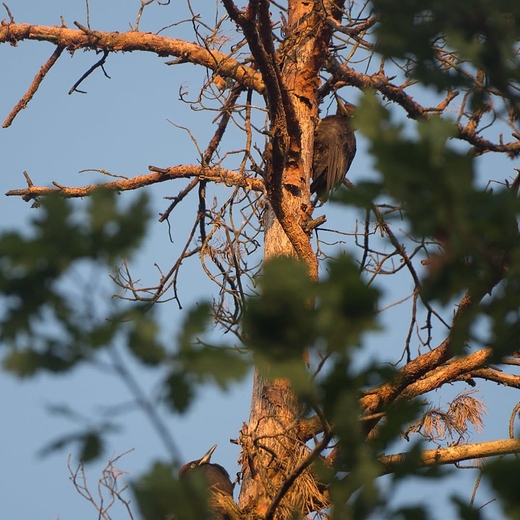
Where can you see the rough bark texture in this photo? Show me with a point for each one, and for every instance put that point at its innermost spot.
(272, 448)
(269, 442)
(276, 481)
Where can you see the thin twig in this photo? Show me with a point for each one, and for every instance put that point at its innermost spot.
(99, 63)
(11, 17)
(34, 86)
(313, 455)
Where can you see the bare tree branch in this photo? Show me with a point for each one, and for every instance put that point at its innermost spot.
(219, 175)
(73, 39)
(454, 454)
(34, 86)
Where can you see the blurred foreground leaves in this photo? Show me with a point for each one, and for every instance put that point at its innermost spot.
(49, 324)
(51, 319)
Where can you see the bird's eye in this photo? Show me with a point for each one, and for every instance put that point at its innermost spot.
(193, 465)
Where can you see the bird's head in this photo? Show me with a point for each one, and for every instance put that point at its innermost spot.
(345, 108)
(215, 476)
(206, 459)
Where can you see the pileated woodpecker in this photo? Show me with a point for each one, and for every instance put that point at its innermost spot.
(334, 150)
(216, 476)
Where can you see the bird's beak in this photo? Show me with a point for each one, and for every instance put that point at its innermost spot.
(207, 456)
(344, 107)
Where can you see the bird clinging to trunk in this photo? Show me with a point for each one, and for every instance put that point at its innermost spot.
(216, 476)
(334, 150)
(217, 480)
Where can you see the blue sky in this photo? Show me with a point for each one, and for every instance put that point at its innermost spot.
(122, 125)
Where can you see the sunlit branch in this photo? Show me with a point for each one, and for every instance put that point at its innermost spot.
(218, 175)
(453, 454)
(74, 39)
(33, 87)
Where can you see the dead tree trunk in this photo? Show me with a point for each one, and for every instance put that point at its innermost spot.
(271, 446)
